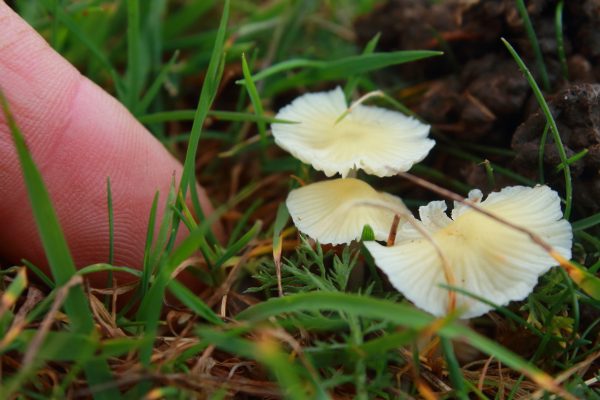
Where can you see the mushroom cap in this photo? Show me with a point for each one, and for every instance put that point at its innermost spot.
(335, 211)
(487, 258)
(377, 140)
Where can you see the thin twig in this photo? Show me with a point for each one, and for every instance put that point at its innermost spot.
(393, 231)
(484, 373)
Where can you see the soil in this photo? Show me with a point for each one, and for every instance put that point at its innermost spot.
(476, 93)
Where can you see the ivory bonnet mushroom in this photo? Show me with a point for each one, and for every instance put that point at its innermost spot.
(486, 258)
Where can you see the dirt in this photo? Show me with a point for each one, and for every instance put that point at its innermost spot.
(476, 93)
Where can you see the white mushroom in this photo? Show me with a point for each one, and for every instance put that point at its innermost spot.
(335, 211)
(377, 140)
(486, 258)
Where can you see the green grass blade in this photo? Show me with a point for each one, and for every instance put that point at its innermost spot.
(90, 269)
(541, 152)
(188, 115)
(134, 73)
(456, 376)
(338, 69)
(236, 231)
(96, 52)
(239, 245)
(164, 231)
(586, 223)
(497, 168)
(11, 294)
(148, 256)
(400, 314)
(553, 128)
(266, 351)
(539, 59)
(207, 95)
(189, 299)
(256, 102)
(283, 67)
(56, 250)
(111, 224)
(151, 305)
(573, 159)
(370, 62)
(281, 220)
(353, 81)
(437, 175)
(111, 236)
(51, 235)
(587, 281)
(388, 342)
(560, 42)
(153, 90)
(40, 274)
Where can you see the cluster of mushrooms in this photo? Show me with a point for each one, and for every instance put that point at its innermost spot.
(466, 250)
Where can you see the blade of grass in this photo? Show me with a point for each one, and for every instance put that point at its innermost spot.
(57, 253)
(560, 42)
(151, 305)
(193, 302)
(388, 342)
(439, 176)
(573, 159)
(256, 102)
(239, 245)
(266, 351)
(541, 151)
(348, 65)
(111, 238)
(90, 269)
(78, 33)
(353, 80)
(145, 274)
(456, 376)
(150, 95)
(553, 128)
(281, 220)
(400, 314)
(186, 216)
(165, 231)
(489, 171)
(589, 282)
(40, 274)
(207, 96)
(586, 223)
(235, 232)
(321, 71)
(134, 44)
(498, 169)
(188, 115)
(539, 59)
(111, 226)
(13, 291)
